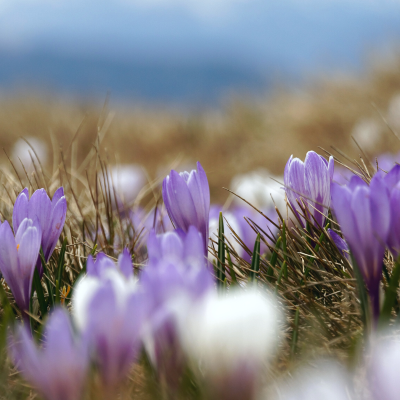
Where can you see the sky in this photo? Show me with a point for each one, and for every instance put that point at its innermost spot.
(180, 50)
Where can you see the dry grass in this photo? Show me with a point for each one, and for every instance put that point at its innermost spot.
(241, 137)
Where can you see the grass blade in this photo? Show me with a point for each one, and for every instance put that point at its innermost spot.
(390, 295)
(255, 261)
(221, 251)
(231, 269)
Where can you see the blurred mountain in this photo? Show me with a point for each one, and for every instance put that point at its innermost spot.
(184, 51)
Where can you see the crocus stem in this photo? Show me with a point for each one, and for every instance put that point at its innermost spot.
(375, 307)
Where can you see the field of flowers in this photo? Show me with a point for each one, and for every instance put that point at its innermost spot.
(123, 282)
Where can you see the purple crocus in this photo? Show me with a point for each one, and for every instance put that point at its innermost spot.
(342, 175)
(102, 263)
(249, 236)
(18, 257)
(176, 277)
(58, 370)
(177, 246)
(187, 199)
(363, 213)
(339, 243)
(49, 213)
(110, 312)
(309, 182)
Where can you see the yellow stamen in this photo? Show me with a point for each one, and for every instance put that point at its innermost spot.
(64, 293)
(17, 246)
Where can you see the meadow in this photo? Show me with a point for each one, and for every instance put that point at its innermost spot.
(138, 282)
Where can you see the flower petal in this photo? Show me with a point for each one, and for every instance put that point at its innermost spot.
(20, 210)
(125, 264)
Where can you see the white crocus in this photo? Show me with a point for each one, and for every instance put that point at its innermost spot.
(230, 237)
(325, 380)
(229, 338)
(127, 180)
(88, 286)
(22, 153)
(261, 189)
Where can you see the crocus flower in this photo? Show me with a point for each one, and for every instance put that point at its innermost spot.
(229, 338)
(126, 182)
(233, 225)
(261, 189)
(110, 312)
(309, 182)
(387, 161)
(58, 370)
(187, 199)
(339, 243)
(177, 246)
(363, 213)
(249, 236)
(342, 175)
(324, 380)
(49, 213)
(177, 276)
(235, 218)
(143, 223)
(97, 267)
(23, 153)
(18, 259)
(383, 369)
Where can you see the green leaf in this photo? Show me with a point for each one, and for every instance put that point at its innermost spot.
(311, 259)
(255, 261)
(37, 286)
(390, 295)
(231, 269)
(295, 333)
(274, 258)
(221, 251)
(284, 240)
(278, 282)
(362, 293)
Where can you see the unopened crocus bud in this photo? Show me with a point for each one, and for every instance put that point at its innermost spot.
(50, 214)
(110, 313)
(59, 369)
(363, 213)
(229, 338)
(18, 257)
(308, 183)
(187, 199)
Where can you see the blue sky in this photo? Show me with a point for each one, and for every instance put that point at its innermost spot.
(249, 38)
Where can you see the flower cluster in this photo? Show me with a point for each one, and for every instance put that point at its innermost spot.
(172, 311)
